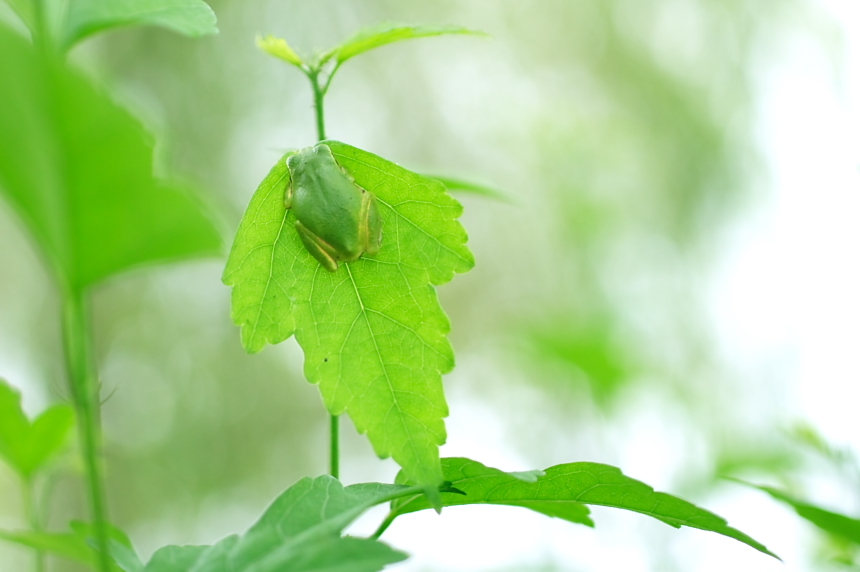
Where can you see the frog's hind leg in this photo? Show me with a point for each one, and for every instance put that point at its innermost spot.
(319, 249)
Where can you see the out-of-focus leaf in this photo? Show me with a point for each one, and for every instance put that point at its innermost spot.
(828, 521)
(471, 187)
(86, 17)
(25, 446)
(74, 545)
(373, 332)
(279, 48)
(386, 33)
(299, 532)
(564, 490)
(24, 9)
(586, 349)
(78, 169)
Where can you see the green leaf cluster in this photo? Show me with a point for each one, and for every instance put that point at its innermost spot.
(373, 332)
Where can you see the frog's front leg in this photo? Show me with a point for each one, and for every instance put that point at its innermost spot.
(319, 249)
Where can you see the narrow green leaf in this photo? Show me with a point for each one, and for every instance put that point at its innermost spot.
(279, 48)
(386, 33)
(28, 447)
(299, 532)
(86, 17)
(74, 545)
(373, 332)
(828, 521)
(78, 169)
(564, 490)
(472, 187)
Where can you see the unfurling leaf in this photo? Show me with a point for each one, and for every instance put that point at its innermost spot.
(373, 332)
(279, 48)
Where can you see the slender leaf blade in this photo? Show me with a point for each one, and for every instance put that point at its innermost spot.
(383, 34)
(563, 489)
(462, 185)
(78, 169)
(828, 521)
(374, 335)
(86, 17)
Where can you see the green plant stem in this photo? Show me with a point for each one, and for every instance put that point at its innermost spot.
(32, 514)
(334, 421)
(334, 443)
(319, 95)
(85, 393)
(383, 526)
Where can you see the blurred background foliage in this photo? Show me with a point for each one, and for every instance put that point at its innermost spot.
(622, 133)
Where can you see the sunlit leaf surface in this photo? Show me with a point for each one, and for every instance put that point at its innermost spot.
(564, 490)
(373, 332)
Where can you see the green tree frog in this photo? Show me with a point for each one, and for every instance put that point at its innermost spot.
(336, 219)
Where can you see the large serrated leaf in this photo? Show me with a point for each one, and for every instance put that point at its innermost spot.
(78, 169)
(86, 17)
(299, 532)
(382, 34)
(373, 332)
(27, 446)
(564, 490)
(828, 521)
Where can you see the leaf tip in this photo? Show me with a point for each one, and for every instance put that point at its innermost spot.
(279, 48)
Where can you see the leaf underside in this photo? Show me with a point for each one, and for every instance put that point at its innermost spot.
(86, 17)
(373, 333)
(563, 491)
(299, 532)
